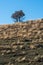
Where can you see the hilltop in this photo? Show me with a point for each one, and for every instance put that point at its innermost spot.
(21, 43)
(32, 29)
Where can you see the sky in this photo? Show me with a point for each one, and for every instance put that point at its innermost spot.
(33, 9)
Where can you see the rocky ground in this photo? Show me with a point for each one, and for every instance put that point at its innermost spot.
(22, 43)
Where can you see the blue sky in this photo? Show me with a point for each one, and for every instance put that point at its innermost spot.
(33, 9)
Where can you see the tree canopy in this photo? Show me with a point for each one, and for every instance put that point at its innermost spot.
(18, 15)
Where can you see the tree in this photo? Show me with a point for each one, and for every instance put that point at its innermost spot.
(18, 15)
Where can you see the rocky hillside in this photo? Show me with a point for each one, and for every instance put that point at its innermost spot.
(22, 43)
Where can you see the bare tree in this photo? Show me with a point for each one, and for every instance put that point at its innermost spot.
(18, 15)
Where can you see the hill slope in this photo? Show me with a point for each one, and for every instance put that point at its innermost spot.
(22, 43)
